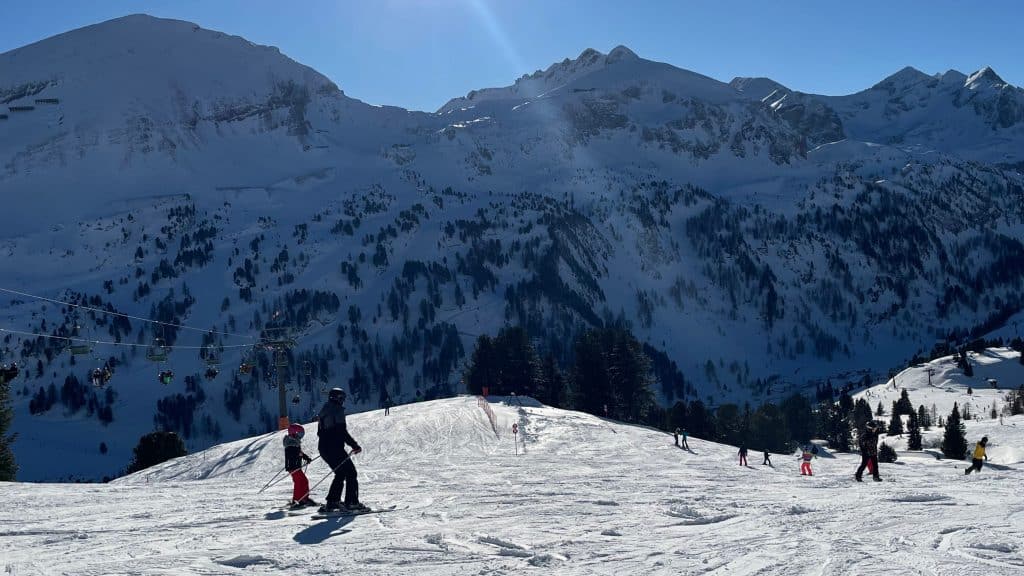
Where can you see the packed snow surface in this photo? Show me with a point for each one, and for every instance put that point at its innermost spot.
(585, 495)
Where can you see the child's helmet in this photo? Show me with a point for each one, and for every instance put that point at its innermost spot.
(296, 431)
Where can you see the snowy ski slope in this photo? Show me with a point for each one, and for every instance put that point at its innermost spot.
(585, 496)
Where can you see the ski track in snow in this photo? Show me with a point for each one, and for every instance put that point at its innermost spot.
(589, 496)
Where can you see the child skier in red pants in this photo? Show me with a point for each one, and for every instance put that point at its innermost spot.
(294, 457)
(805, 465)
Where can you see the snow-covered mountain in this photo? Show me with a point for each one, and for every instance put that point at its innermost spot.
(584, 495)
(174, 173)
(978, 117)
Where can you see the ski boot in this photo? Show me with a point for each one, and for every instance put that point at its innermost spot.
(357, 508)
(330, 507)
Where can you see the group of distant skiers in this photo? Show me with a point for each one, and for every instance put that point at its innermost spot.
(868, 453)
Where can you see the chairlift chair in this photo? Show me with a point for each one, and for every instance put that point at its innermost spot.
(101, 376)
(212, 358)
(157, 352)
(247, 363)
(9, 372)
(80, 349)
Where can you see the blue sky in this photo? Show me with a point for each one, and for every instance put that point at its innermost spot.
(419, 53)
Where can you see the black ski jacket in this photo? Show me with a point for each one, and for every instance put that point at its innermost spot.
(293, 454)
(332, 430)
(869, 442)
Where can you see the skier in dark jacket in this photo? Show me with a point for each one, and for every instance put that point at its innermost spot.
(743, 454)
(979, 453)
(767, 458)
(333, 433)
(294, 458)
(869, 452)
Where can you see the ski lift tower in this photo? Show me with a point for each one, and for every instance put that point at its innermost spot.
(280, 349)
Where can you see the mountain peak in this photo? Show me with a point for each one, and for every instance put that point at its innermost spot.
(541, 81)
(620, 52)
(904, 79)
(142, 50)
(984, 77)
(587, 60)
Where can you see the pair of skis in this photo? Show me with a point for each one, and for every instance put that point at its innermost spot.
(318, 514)
(343, 513)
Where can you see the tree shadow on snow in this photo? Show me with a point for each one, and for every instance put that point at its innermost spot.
(323, 530)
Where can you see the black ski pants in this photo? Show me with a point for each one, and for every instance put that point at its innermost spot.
(975, 466)
(868, 461)
(344, 471)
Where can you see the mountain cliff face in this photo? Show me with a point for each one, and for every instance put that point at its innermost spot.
(758, 238)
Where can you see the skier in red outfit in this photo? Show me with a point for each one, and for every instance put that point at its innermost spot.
(294, 457)
(805, 465)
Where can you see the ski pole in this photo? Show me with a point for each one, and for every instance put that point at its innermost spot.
(348, 456)
(273, 481)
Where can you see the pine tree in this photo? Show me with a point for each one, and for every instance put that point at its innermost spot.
(589, 376)
(904, 407)
(861, 414)
(769, 430)
(881, 409)
(519, 368)
(993, 412)
(677, 416)
(482, 371)
(745, 424)
(629, 373)
(895, 426)
(701, 422)
(967, 412)
(841, 435)
(154, 448)
(895, 423)
(728, 421)
(799, 416)
(954, 442)
(886, 453)
(914, 428)
(834, 426)
(554, 389)
(8, 467)
(924, 418)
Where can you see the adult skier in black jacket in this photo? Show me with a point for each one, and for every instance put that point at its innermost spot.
(869, 451)
(333, 433)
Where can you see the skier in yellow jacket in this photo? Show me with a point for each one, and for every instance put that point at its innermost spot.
(979, 453)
